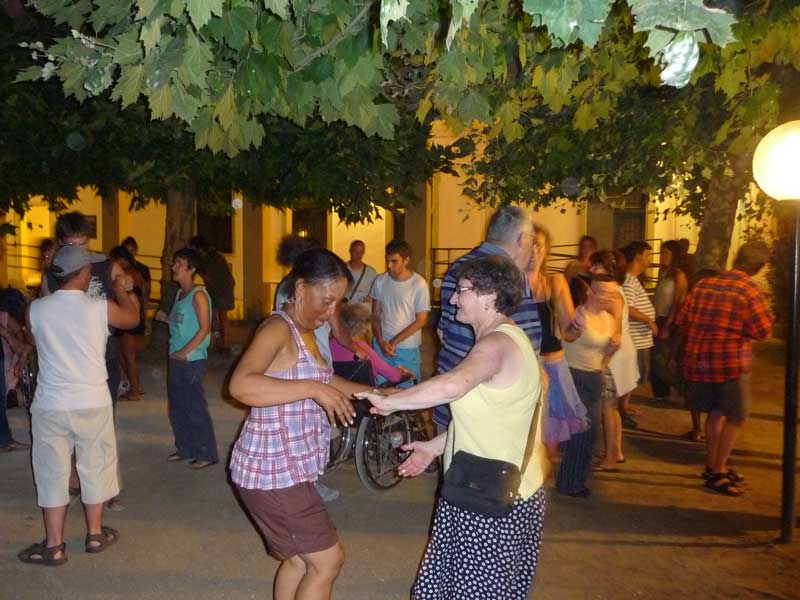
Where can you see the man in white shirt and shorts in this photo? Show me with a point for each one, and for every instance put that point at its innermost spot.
(400, 304)
(72, 408)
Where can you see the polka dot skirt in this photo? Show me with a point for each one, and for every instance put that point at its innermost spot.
(471, 557)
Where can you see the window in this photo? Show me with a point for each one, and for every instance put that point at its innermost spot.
(311, 222)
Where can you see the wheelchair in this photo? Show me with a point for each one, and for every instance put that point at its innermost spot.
(26, 388)
(373, 441)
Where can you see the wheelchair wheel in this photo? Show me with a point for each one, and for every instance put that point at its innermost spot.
(27, 382)
(341, 446)
(378, 452)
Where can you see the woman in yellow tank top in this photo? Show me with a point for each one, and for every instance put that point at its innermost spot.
(492, 394)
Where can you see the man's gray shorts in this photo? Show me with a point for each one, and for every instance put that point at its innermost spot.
(731, 398)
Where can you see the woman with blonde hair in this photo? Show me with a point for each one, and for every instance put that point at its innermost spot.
(566, 415)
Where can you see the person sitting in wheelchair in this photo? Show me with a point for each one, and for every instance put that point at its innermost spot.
(356, 319)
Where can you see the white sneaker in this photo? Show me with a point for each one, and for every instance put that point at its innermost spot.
(326, 493)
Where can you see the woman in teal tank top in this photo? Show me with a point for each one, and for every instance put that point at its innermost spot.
(492, 395)
(189, 336)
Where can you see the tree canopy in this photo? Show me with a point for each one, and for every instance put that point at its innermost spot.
(51, 145)
(694, 143)
(221, 65)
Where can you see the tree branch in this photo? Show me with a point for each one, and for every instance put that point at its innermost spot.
(334, 41)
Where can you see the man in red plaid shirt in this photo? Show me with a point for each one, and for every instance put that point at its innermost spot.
(720, 318)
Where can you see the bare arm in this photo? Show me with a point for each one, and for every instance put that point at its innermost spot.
(419, 322)
(377, 310)
(14, 336)
(273, 348)
(565, 309)
(203, 312)
(485, 361)
(123, 312)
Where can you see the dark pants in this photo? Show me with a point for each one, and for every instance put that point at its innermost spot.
(661, 351)
(576, 459)
(188, 411)
(5, 430)
(112, 366)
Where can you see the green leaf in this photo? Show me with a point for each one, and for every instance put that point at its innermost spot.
(161, 102)
(73, 76)
(108, 12)
(391, 10)
(683, 15)
(130, 84)
(474, 107)
(571, 20)
(554, 84)
(29, 74)
(197, 59)
(151, 34)
(225, 110)
(462, 13)
(363, 73)
(200, 11)
(234, 26)
(185, 105)
(129, 48)
(279, 7)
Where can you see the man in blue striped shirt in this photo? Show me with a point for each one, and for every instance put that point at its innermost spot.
(510, 234)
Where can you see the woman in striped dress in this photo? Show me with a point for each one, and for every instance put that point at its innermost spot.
(284, 443)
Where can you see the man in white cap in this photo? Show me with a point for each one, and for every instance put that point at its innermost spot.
(72, 405)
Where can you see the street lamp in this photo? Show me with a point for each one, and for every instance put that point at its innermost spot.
(776, 169)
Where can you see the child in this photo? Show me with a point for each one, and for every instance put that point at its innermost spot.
(355, 318)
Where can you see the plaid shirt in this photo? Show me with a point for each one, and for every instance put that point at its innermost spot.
(721, 317)
(284, 445)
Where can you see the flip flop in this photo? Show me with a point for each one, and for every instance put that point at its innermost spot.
(197, 464)
(721, 484)
(602, 469)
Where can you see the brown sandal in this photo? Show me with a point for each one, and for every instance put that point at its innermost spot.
(103, 540)
(42, 554)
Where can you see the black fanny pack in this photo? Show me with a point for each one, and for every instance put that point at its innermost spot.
(486, 486)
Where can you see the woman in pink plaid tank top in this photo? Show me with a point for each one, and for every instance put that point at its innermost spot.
(283, 445)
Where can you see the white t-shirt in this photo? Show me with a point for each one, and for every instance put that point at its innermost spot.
(400, 303)
(70, 329)
(361, 287)
(637, 298)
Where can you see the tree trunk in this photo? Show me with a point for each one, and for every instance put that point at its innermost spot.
(178, 229)
(719, 218)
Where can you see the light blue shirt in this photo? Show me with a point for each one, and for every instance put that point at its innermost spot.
(183, 325)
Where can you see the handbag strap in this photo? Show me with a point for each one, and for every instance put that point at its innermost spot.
(526, 456)
(355, 287)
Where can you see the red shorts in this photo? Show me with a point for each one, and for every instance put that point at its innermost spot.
(292, 520)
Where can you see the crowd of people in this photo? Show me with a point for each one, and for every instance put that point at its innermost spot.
(535, 367)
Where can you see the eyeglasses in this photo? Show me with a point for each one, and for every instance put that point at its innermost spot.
(463, 289)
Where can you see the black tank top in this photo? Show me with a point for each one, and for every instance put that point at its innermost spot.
(550, 343)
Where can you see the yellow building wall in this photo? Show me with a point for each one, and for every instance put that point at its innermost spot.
(147, 227)
(375, 236)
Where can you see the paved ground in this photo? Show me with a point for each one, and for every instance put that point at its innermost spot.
(650, 531)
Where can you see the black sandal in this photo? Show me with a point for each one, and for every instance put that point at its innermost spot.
(721, 484)
(734, 476)
(104, 539)
(42, 554)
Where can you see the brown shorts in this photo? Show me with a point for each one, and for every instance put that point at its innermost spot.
(292, 520)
